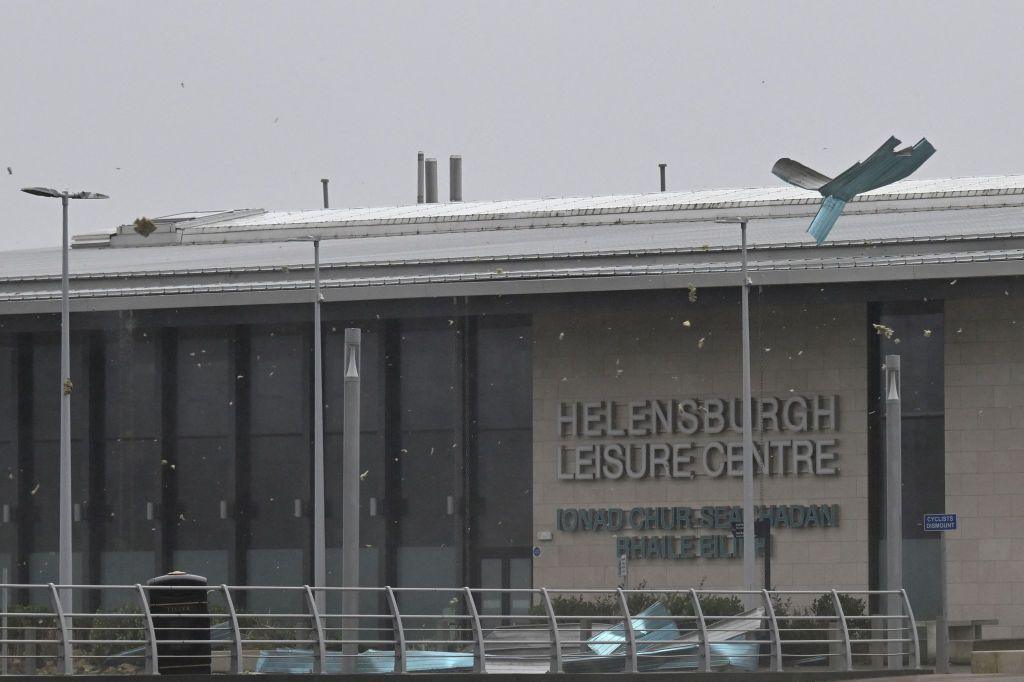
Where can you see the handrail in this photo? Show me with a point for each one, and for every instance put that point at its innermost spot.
(286, 631)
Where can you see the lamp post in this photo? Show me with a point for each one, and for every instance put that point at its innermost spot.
(319, 504)
(749, 545)
(64, 574)
(319, 498)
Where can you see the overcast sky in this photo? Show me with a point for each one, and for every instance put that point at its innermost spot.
(178, 106)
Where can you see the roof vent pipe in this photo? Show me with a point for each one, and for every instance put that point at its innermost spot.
(431, 178)
(662, 167)
(419, 178)
(455, 177)
(324, 181)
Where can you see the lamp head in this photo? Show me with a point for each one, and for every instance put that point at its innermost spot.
(43, 192)
(55, 194)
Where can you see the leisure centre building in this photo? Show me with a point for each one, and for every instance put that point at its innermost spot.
(546, 385)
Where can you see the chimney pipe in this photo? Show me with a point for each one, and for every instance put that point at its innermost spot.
(455, 177)
(431, 177)
(419, 178)
(662, 166)
(324, 182)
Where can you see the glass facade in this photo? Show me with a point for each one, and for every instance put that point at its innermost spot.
(192, 447)
(917, 336)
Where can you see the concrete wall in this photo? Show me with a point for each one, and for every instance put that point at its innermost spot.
(637, 353)
(985, 461)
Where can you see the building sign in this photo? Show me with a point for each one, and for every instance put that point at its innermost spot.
(692, 546)
(687, 438)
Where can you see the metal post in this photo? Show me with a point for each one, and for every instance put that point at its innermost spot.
(430, 173)
(556, 637)
(455, 178)
(941, 625)
(350, 498)
(749, 547)
(65, 663)
(479, 652)
(5, 606)
(396, 624)
(320, 657)
(319, 505)
(237, 661)
(893, 504)
(64, 576)
(627, 629)
(324, 181)
(419, 178)
(152, 652)
(702, 629)
(846, 659)
(661, 167)
(915, 654)
(773, 629)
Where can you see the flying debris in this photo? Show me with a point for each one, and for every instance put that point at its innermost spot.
(144, 226)
(882, 329)
(885, 166)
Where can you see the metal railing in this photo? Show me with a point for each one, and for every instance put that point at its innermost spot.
(234, 629)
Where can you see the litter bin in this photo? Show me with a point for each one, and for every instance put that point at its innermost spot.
(181, 614)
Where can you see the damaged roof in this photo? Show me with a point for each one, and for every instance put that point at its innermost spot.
(910, 230)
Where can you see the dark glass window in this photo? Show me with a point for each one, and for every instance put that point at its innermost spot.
(9, 470)
(133, 453)
(915, 333)
(504, 462)
(278, 459)
(203, 474)
(430, 460)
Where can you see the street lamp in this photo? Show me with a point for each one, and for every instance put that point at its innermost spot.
(64, 575)
(749, 549)
(319, 505)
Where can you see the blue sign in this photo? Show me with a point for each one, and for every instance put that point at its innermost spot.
(940, 521)
(536, 552)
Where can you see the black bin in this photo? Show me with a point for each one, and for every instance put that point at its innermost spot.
(181, 614)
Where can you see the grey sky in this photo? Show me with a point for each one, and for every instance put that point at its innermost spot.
(177, 106)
